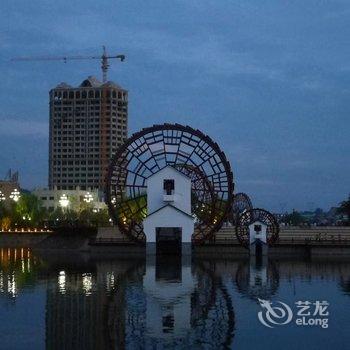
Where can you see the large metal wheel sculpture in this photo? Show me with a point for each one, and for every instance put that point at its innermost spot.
(189, 151)
(248, 217)
(240, 203)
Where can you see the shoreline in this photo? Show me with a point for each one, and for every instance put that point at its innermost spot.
(301, 244)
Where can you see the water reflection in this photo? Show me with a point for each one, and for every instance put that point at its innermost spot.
(138, 304)
(257, 279)
(18, 269)
(159, 303)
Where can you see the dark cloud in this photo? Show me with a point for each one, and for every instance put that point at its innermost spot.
(269, 80)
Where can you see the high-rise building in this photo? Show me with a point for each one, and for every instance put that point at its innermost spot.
(87, 124)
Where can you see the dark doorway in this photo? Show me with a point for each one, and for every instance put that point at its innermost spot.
(258, 253)
(168, 240)
(168, 268)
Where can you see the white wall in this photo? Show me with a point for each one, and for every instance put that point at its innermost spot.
(253, 235)
(168, 217)
(155, 191)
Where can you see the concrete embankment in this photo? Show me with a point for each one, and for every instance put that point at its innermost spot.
(45, 241)
(21, 239)
(315, 242)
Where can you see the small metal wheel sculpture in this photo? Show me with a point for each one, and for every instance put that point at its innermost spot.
(240, 203)
(189, 151)
(248, 217)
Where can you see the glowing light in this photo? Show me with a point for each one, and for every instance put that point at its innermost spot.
(15, 195)
(62, 282)
(2, 197)
(110, 280)
(88, 198)
(64, 201)
(87, 283)
(1, 282)
(11, 285)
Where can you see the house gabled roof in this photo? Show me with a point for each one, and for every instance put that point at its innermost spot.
(169, 205)
(257, 221)
(169, 166)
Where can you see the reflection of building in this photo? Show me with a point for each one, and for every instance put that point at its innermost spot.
(17, 270)
(257, 278)
(168, 312)
(176, 306)
(87, 124)
(74, 316)
(120, 304)
(80, 312)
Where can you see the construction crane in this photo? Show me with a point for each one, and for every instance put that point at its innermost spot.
(104, 60)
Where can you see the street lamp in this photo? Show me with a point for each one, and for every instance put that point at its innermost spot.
(2, 197)
(88, 198)
(64, 201)
(15, 195)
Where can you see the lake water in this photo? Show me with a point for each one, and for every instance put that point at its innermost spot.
(83, 302)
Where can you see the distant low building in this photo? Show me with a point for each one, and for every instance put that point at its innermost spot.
(9, 186)
(71, 199)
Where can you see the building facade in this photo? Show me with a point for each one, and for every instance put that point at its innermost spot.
(87, 124)
(169, 223)
(9, 186)
(71, 199)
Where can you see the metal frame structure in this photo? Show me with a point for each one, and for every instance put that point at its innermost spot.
(250, 216)
(240, 203)
(188, 150)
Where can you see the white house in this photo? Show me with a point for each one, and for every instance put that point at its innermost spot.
(169, 207)
(258, 238)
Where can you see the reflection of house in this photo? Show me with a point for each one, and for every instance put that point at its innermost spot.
(169, 207)
(168, 313)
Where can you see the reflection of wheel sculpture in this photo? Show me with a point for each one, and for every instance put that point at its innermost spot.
(212, 302)
(250, 216)
(189, 151)
(209, 307)
(240, 203)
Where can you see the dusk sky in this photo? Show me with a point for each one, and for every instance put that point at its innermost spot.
(268, 80)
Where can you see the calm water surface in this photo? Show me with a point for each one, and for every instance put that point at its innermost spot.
(83, 302)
